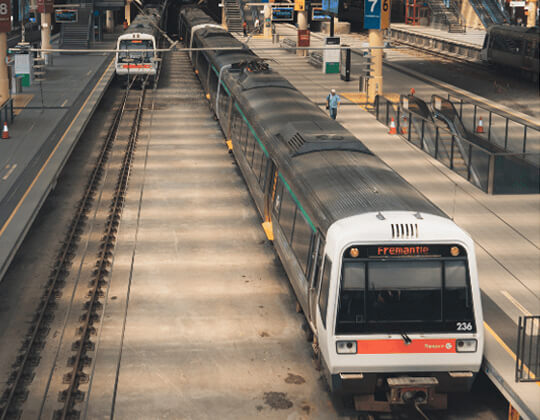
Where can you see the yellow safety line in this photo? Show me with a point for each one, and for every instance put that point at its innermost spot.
(508, 350)
(4, 227)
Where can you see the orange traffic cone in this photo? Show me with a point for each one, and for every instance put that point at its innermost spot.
(5, 131)
(480, 126)
(392, 127)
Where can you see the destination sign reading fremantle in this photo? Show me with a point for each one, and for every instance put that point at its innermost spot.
(395, 251)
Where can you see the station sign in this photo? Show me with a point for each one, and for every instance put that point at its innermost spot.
(5, 15)
(331, 56)
(45, 6)
(331, 6)
(282, 14)
(303, 38)
(318, 15)
(66, 15)
(376, 14)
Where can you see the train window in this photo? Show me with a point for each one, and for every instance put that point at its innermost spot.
(302, 240)
(203, 67)
(257, 154)
(213, 85)
(351, 307)
(236, 126)
(404, 291)
(325, 290)
(457, 300)
(224, 102)
(250, 147)
(396, 296)
(244, 136)
(132, 50)
(264, 170)
(287, 214)
(278, 196)
(508, 45)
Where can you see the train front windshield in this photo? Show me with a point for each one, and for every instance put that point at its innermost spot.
(404, 294)
(134, 51)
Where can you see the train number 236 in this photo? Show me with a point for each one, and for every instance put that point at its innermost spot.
(464, 326)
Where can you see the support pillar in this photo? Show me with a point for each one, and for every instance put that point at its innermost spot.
(46, 36)
(375, 83)
(302, 25)
(267, 22)
(531, 14)
(127, 12)
(109, 21)
(4, 81)
(224, 17)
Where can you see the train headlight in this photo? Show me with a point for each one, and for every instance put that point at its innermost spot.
(346, 347)
(354, 252)
(466, 345)
(454, 251)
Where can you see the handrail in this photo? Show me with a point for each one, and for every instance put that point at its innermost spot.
(493, 165)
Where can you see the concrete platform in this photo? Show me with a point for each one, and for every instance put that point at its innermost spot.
(52, 116)
(473, 37)
(506, 229)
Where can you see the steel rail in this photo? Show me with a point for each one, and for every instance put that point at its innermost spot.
(59, 270)
(72, 395)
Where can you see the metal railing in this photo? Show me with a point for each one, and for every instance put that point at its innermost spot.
(520, 135)
(528, 349)
(493, 172)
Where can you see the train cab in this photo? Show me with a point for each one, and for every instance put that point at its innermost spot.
(401, 305)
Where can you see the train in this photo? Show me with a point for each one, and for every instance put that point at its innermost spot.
(387, 282)
(133, 57)
(515, 48)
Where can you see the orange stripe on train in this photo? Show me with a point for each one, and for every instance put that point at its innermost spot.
(399, 346)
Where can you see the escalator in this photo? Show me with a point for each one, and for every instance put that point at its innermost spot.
(490, 12)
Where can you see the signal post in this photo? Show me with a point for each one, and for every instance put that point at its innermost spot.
(5, 27)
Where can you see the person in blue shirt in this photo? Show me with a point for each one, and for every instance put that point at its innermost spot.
(332, 103)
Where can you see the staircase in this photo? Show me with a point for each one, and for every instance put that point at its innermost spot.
(449, 17)
(490, 12)
(77, 35)
(233, 15)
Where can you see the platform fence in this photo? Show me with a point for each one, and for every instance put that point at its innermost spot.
(519, 135)
(507, 172)
(528, 349)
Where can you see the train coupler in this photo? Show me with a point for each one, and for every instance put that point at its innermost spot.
(415, 391)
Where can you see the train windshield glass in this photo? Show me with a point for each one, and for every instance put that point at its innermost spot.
(133, 51)
(404, 296)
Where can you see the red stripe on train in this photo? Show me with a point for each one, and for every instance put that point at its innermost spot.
(137, 66)
(399, 346)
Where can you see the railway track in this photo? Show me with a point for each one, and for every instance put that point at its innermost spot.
(29, 354)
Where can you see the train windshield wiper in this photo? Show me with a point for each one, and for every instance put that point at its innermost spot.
(406, 338)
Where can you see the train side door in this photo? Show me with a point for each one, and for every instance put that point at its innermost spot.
(270, 190)
(317, 251)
